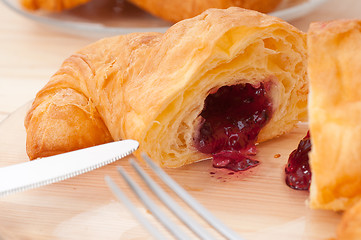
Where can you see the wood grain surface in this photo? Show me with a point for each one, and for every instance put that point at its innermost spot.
(257, 203)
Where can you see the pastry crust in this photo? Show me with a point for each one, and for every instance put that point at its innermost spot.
(151, 87)
(335, 113)
(173, 11)
(350, 225)
(51, 5)
(177, 10)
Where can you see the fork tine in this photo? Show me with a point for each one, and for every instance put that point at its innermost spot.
(193, 203)
(139, 216)
(169, 225)
(170, 203)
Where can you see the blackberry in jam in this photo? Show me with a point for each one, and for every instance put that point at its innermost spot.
(233, 118)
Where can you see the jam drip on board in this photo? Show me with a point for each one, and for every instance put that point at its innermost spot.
(298, 172)
(232, 119)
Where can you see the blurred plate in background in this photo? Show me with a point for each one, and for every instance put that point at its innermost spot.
(101, 18)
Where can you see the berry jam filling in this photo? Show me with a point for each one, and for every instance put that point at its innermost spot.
(233, 118)
(298, 172)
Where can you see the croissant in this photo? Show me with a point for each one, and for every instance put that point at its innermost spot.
(223, 80)
(178, 10)
(51, 5)
(172, 11)
(335, 113)
(350, 225)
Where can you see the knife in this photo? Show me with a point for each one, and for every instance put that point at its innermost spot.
(47, 170)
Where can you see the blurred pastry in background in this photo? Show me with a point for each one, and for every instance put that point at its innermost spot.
(51, 5)
(172, 11)
(178, 10)
(350, 226)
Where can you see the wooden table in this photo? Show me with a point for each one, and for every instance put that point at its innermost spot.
(30, 53)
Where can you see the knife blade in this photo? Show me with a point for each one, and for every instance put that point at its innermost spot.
(47, 170)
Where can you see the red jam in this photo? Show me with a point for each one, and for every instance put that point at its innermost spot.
(233, 118)
(298, 172)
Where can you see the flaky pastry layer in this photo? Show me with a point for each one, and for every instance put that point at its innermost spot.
(335, 113)
(151, 87)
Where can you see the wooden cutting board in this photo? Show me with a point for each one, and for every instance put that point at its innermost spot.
(257, 203)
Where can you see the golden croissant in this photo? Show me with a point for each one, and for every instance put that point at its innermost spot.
(335, 113)
(178, 10)
(213, 85)
(334, 50)
(51, 5)
(173, 11)
(350, 225)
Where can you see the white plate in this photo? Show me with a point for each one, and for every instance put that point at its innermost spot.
(292, 9)
(102, 18)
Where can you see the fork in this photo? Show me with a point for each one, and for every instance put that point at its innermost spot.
(167, 200)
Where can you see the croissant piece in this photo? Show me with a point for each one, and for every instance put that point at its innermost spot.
(172, 11)
(335, 113)
(350, 225)
(51, 5)
(178, 10)
(152, 87)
